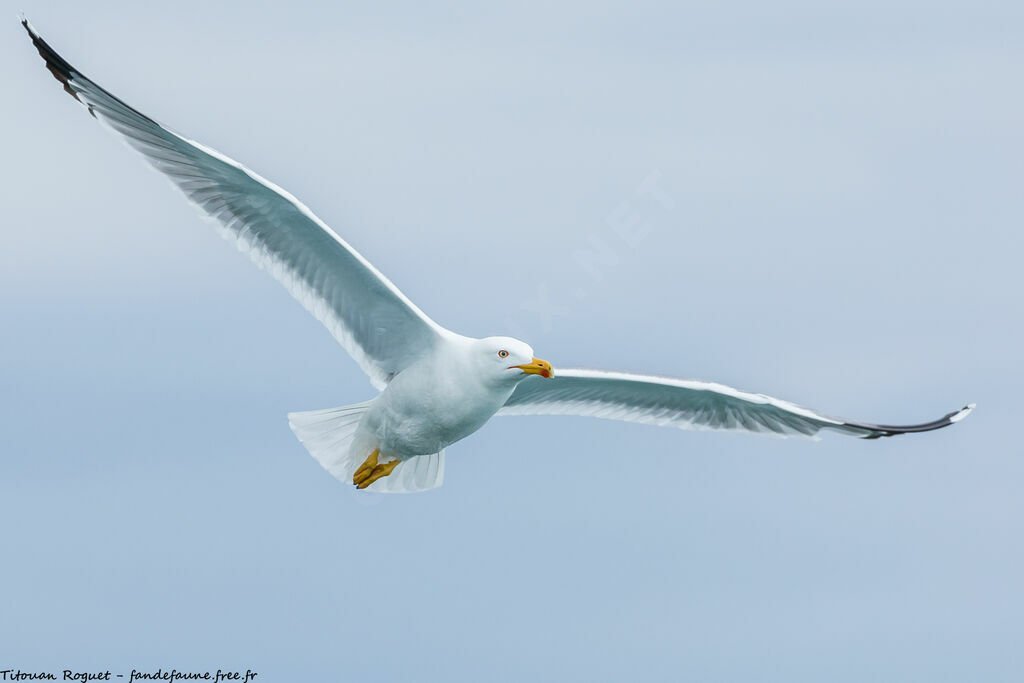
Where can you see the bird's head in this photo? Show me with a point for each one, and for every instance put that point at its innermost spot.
(508, 358)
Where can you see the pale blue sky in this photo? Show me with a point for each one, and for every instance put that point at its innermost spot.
(842, 229)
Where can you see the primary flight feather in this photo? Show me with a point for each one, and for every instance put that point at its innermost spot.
(437, 386)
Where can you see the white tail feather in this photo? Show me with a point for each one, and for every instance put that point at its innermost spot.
(328, 435)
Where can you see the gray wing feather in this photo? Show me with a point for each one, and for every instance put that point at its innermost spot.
(686, 404)
(363, 310)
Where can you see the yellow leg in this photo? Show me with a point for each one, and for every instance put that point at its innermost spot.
(378, 472)
(366, 468)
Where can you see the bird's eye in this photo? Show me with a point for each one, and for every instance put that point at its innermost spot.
(503, 354)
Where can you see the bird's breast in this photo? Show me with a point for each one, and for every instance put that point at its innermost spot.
(421, 415)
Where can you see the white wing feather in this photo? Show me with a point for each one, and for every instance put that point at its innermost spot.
(687, 404)
(362, 309)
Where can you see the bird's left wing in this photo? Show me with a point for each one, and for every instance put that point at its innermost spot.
(686, 404)
(363, 310)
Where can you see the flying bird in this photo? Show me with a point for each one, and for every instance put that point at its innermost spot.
(436, 386)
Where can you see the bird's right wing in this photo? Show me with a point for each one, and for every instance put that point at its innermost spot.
(363, 310)
(687, 404)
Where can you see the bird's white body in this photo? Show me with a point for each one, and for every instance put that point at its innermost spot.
(436, 386)
(438, 400)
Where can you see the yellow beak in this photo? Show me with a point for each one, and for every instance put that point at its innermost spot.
(537, 367)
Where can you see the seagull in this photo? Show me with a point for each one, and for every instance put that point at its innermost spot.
(436, 386)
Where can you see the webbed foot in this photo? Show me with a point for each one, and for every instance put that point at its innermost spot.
(366, 468)
(378, 472)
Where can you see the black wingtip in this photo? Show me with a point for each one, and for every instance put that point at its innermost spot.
(891, 430)
(28, 27)
(58, 66)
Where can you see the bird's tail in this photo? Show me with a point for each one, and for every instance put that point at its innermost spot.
(329, 436)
